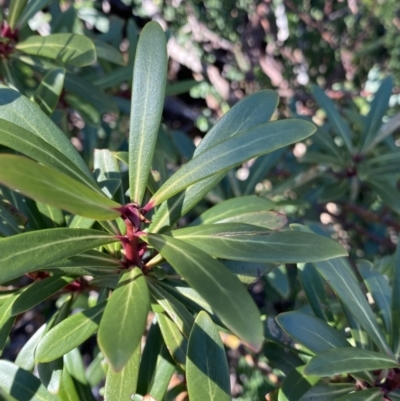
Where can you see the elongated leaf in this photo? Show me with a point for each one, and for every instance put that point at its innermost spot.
(175, 309)
(348, 360)
(254, 244)
(148, 90)
(67, 388)
(248, 114)
(207, 373)
(371, 394)
(281, 358)
(14, 12)
(50, 186)
(122, 385)
(379, 288)
(174, 340)
(30, 10)
(76, 369)
(126, 309)
(267, 219)
(376, 113)
(108, 52)
(327, 391)
(164, 369)
(49, 90)
(89, 94)
(338, 123)
(22, 385)
(24, 253)
(395, 305)
(6, 320)
(20, 111)
(313, 333)
(69, 334)
(38, 292)
(216, 284)
(232, 152)
(296, 384)
(25, 359)
(66, 48)
(31, 145)
(337, 274)
(313, 287)
(246, 272)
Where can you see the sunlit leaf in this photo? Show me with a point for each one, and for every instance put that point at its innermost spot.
(148, 90)
(207, 373)
(67, 48)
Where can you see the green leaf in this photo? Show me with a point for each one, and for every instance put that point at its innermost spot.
(30, 10)
(175, 310)
(281, 358)
(122, 385)
(148, 90)
(395, 305)
(174, 340)
(371, 394)
(207, 371)
(31, 145)
(47, 185)
(67, 388)
(254, 244)
(327, 391)
(311, 332)
(278, 279)
(348, 360)
(232, 152)
(22, 385)
(338, 123)
(6, 321)
(337, 274)
(379, 288)
(25, 358)
(213, 281)
(15, 10)
(127, 309)
(89, 94)
(24, 253)
(23, 113)
(65, 48)
(316, 295)
(108, 52)
(246, 272)
(37, 292)
(69, 334)
(266, 219)
(248, 114)
(296, 384)
(376, 113)
(49, 90)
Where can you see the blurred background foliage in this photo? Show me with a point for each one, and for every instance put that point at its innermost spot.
(221, 51)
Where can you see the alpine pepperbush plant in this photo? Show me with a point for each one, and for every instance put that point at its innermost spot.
(106, 243)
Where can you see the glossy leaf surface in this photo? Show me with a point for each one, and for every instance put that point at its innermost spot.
(69, 334)
(21, 384)
(213, 281)
(127, 309)
(232, 152)
(253, 244)
(66, 48)
(31, 251)
(347, 360)
(148, 90)
(207, 371)
(50, 186)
